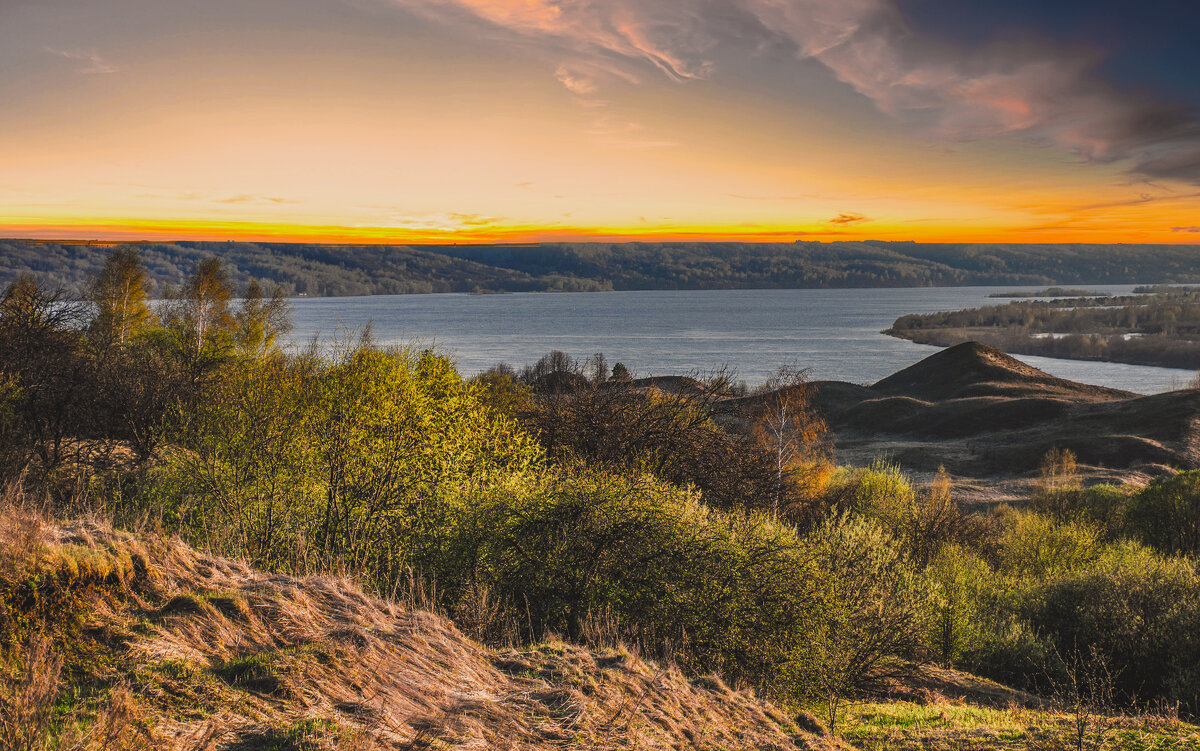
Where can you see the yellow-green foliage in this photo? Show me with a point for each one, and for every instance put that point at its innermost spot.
(963, 600)
(1167, 513)
(299, 462)
(735, 589)
(873, 607)
(1142, 611)
(880, 490)
(1034, 547)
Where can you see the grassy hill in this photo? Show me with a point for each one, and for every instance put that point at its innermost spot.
(121, 641)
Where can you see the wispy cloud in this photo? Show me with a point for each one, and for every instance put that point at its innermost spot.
(575, 82)
(807, 197)
(249, 198)
(93, 63)
(1186, 229)
(845, 218)
(1045, 94)
(443, 222)
(627, 134)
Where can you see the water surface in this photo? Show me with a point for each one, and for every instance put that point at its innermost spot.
(835, 333)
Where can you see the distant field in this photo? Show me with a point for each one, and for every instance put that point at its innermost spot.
(333, 270)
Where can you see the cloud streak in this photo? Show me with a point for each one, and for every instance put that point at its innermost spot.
(93, 63)
(1043, 94)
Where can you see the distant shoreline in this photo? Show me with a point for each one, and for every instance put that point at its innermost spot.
(313, 270)
(1156, 327)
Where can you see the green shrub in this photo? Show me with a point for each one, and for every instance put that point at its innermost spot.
(963, 602)
(880, 490)
(1034, 547)
(1166, 514)
(734, 592)
(1140, 611)
(297, 463)
(873, 608)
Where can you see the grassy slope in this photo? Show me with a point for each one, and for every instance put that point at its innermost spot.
(147, 644)
(944, 725)
(163, 647)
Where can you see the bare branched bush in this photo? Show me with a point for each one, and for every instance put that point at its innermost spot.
(1085, 690)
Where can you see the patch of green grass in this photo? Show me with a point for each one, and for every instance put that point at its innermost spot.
(274, 673)
(868, 718)
(311, 734)
(262, 673)
(181, 689)
(901, 726)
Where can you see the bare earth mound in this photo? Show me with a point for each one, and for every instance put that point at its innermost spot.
(977, 370)
(175, 649)
(989, 419)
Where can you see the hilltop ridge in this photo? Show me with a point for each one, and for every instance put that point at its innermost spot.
(984, 415)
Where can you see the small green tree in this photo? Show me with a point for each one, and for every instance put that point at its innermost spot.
(119, 294)
(261, 319)
(1166, 514)
(874, 608)
(199, 313)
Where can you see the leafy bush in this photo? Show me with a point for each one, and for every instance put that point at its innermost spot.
(963, 606)
(302, 463)
(922, 521)
(1035, 548)
(733, 592)
(1166, 514)
(671, 435)
(1140, 611)
(873, 608)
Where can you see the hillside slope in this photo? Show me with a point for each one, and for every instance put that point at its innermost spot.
(163, 647)
(983, 414)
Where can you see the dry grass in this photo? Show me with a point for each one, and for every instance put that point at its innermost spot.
(162, 647)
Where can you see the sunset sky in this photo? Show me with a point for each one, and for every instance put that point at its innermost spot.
(515, 120)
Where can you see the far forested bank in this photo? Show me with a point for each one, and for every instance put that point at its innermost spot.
(338, 270)
(1158, 326)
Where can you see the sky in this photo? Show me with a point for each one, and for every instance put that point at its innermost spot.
(537, 120)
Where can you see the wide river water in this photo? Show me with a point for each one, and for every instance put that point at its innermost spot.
(835, 333)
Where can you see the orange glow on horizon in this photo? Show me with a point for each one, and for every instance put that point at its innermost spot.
(116, 231)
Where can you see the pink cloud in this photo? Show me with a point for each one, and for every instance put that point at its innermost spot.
(1043, 94)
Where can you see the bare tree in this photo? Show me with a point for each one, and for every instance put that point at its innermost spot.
(790, 429)
(201, 308)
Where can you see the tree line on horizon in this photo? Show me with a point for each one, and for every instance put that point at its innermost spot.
(318, 270)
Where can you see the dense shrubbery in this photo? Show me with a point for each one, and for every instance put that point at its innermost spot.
(589, 506)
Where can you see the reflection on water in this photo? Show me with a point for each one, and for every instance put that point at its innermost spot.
(833, 332)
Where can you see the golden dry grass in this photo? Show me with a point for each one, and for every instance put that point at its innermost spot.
(164, 647)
